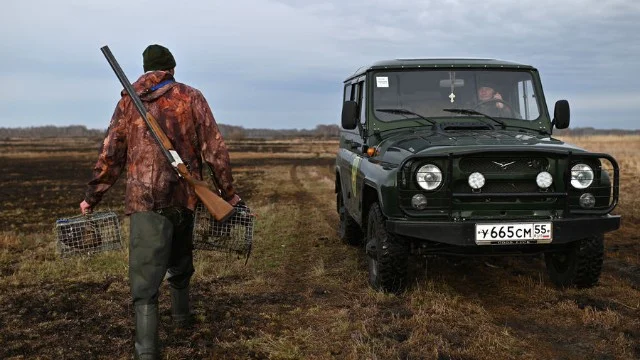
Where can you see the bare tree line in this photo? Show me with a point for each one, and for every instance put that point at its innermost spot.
(586, 131)
(228, 131)
(50, 131)
(233, 132)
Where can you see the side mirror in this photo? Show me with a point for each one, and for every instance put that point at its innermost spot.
(561, 114)
(349, 114)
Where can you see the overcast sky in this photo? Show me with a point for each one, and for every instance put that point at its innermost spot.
(280, 64)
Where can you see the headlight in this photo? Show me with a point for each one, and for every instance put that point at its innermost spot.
(429, 177)
(476, 180)
(544, 180)
(581, 176)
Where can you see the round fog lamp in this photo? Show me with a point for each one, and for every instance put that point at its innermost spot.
(544, 180)
(587, 200)
(419, 201)
(581, 176)
(476, 180)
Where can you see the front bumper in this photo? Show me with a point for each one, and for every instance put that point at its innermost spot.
(463, 233)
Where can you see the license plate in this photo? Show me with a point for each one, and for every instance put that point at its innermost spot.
(514, 233)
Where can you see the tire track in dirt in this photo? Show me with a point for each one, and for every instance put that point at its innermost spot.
(306, 195)
(298, 263)
(268, 309)
(317, 248)
(294, 287)
(296, 267)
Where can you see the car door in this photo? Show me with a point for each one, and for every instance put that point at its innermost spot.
(353, 146)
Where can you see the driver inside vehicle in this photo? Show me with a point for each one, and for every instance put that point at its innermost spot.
(491, 103)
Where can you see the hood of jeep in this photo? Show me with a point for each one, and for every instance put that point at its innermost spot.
(399, 146)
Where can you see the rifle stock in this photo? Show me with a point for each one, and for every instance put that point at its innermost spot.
(217, 207)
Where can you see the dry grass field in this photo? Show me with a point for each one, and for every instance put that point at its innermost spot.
(303, 294)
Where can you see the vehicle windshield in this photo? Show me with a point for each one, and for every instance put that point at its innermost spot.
(430, 93)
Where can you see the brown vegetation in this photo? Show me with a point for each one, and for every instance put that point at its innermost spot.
(303, 294)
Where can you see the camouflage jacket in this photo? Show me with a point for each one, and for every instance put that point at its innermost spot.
(184, 115)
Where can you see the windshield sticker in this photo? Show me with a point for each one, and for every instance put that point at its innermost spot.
(382, 81)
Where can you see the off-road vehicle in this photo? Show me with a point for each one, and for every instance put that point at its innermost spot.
(456, 157)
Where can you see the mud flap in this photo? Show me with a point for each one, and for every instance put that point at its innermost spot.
(371, 249)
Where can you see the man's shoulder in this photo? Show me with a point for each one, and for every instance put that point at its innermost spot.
(187, 88)
(188, 91)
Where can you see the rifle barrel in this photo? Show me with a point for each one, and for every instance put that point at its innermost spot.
(134, 97)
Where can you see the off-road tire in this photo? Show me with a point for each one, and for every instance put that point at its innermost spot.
(578, 266)
(387, 255)
(349, 231)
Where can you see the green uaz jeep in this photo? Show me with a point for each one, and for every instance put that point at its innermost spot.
(455, 156)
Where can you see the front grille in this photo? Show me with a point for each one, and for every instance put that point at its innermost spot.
(504, 165)
(495, 186)
(510, 184)
(514, 187)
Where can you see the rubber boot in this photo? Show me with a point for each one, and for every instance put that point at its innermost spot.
(146, 345)
(180, 311)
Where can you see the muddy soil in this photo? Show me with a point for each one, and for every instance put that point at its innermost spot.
(303, 294)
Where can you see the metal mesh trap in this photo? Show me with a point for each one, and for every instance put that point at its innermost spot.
(87, 234)
(232, 236)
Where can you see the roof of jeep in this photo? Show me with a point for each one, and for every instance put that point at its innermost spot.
(439, 63)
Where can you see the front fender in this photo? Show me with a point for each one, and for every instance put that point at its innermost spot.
(379, 184)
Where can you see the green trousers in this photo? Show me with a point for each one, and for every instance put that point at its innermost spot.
(160, 242)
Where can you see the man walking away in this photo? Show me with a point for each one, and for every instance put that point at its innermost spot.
(160, 204)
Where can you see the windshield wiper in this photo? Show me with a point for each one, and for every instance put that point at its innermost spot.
(504, 125)
(474, 112)
(406, 112)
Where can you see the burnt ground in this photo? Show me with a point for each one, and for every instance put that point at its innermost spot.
(36, 191)
(303, 294)
(38, 319)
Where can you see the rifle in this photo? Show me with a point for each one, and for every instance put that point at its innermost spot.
(217, 207)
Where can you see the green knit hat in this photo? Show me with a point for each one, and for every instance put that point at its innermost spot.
(157, 57)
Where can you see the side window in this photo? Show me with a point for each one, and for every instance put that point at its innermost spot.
(527, 101)
(347, 92)
(355, 96)
(363, 101)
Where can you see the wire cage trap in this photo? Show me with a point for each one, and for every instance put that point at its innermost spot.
(88, 234)
(232, 236)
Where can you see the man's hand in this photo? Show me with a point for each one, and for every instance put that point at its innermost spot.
(85, 208)
(235, 200)
(499, 104)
